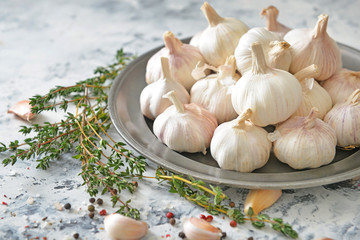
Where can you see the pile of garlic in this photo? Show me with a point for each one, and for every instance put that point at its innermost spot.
(220, 90)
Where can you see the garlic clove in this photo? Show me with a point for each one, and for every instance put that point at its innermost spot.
(22, 109)
(314, 46)
(199, 229)
(202, 70)
(182, 60)
(219, 39)
(279, 55)
(271, 14)
(260, 199)
(342, 84)
(152, 102)
(120, 227)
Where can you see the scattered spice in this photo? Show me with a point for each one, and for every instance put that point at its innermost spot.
(172, 221)
(91, 208)
(44, 218)
(202, 216)
(91, 215)
(135, 183)
(67, 206)
(209, 218)
(168, 235)
(233, 223)
(182, 235)
(92, 200)
(103, 212)
(4, 203)
(223, 234)
(30, 201)
(250, 238)
(5, 196)
(99, 201)
(76, 235)
(27, 226)
(115, 192)
(232, 204)
(44, 238)
(169, 215)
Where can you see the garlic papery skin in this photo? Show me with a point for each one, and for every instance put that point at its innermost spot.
(199, 229)
(240, 145)
(304, 142)
(194, 41)
(152, 102)
(313, 94)
(120, 227)
(272, 94)
(345, 119)
(314, 46)
(220, 38)
(182, 58)
(185, 127)
(260, 199)
(214, 93)
(243, 49)
(279, 55)
(271, 14)
(22, 109)
(342, 84)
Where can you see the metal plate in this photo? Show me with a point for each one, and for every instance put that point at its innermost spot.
(137, 131)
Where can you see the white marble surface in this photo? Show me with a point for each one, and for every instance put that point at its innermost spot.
(48, 43)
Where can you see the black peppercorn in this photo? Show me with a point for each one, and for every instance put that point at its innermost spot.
(76, 235)
(67, 206)
(91, 214)
(99, 201)
(232, 204)
(172, 221)
(91, 208)
(223, 235)
(92, 200)
(182, 235)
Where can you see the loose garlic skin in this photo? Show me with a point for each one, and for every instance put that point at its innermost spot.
(214, 92)
(314, 46)
(185, 127)
(199, 229)
(272, 94)
(220, 38)
(342, 84)
(304, 142)
(271, 42)
(344, 118)
(240, 145)
(119, 227)
(271, 14)
(152, 102)
(313, 94)
(182, 58)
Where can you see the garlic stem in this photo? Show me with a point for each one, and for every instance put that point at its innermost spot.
(228, 69)
(311, 71)
(321, 26)
(271, 13)
(259, 65)
(310, 119)
(165, 69)
(177, 103)
(211, 15)
(240, 120)
(171, 42)
(354, 97)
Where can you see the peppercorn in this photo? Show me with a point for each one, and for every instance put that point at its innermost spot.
(232, 204)
(250, 238)
(103, 212)
(172, 221)
(91, 208)
(99, 201)
(169, 215)
(182, 235)
(76, 235)
(67, 206)
(92, 200)
(223, 234)
(233, 223)
(202, 216)
(91, 214)
(135, 183)
(115, 191)
(209, 218)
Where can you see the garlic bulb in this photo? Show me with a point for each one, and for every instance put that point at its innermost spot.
(219, 39)
(182, 58)
(272, 94)
(304, 142)
(342, 84)
(152, 102)
(199, 229)
(185, 127)
(214, 92)
(314, 46)
(313, 94)
(344, 117)
(260, 199)
(279, 56)
(194, 41)
(119, 227)
(271, 14)
(22, 109)
(240, 145)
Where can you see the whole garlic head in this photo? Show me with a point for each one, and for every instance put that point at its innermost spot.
(185, 127)
(240, 145)
(314, 46)
(199, 229)
(119, 227)
(313, 94)
(219, 39)
(272, 94)
(152, 102)
(344, 117)
(214, 92)
(182, 58)
(276, 51)
(271, 14)
(342, 84)
(304, 142)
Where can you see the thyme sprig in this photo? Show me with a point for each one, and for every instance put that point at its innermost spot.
(214, 201)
